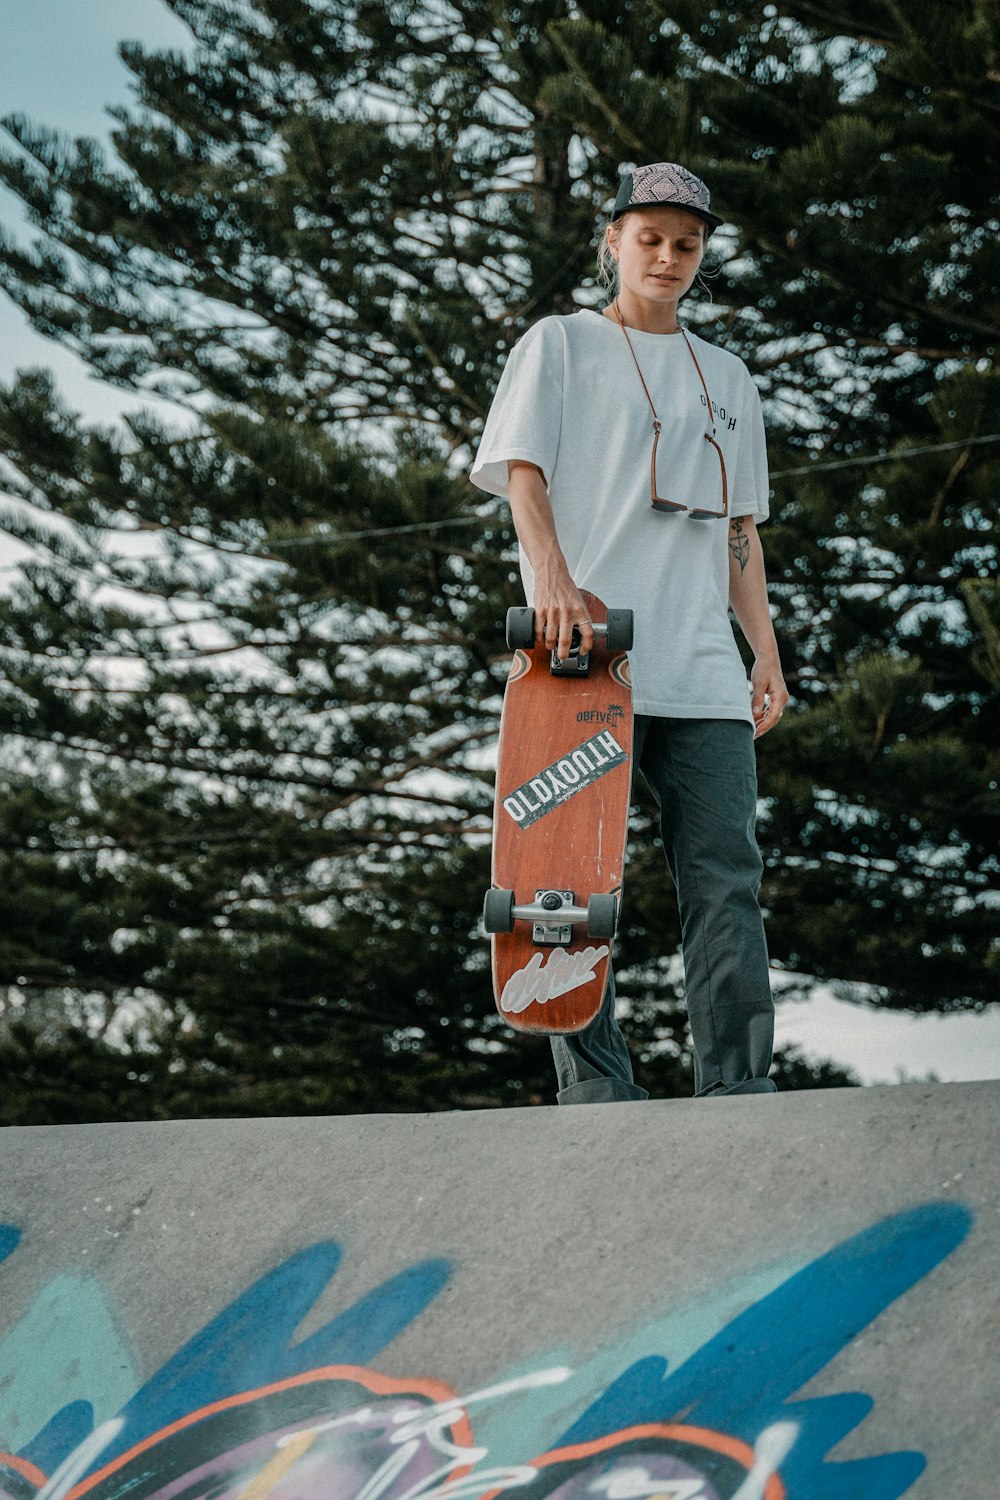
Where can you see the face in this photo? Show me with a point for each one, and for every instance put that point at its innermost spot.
(659, 251)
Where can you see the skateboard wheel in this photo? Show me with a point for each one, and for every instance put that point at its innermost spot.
(498, 911)
(602, 916)
(520, 628)
(620, 630)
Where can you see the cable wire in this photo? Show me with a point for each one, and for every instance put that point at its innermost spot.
(885, 458)
(810, 468)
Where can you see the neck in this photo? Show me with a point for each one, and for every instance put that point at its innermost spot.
(644, 315)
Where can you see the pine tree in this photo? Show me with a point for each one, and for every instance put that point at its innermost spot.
(253, 667)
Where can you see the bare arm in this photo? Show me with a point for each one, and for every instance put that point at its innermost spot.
(748, 596)
(558, 602)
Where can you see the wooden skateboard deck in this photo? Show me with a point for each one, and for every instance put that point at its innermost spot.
(559, 826)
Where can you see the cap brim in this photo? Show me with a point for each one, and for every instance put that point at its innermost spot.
(712, 220)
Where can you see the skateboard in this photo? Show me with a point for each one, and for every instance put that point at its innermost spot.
(559, 823)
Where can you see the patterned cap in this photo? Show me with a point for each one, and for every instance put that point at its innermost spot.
(665, 184)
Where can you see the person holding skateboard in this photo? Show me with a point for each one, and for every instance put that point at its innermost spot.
(633, 457)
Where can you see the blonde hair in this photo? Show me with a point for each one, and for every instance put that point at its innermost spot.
(607, 264)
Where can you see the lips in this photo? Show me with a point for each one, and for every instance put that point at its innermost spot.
(666, 278)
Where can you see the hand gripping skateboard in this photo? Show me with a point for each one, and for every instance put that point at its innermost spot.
(559, 823)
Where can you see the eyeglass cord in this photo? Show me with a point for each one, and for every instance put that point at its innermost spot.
(709, 437)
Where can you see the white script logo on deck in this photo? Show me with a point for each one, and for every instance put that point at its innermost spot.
(563, 972)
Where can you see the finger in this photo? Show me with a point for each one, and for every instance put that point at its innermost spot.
(565, 637)
(541, 624)
(586, 635)
(772, 713)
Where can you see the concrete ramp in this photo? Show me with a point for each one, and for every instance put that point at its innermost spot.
(757, 1298)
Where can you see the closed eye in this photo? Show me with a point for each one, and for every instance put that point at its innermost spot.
(686, 247)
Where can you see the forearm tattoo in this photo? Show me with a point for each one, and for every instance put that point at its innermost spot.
(739, 542)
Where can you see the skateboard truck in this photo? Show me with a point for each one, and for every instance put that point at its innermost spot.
(554, 902)
(577, 663)
(553, 914)
(617, 635)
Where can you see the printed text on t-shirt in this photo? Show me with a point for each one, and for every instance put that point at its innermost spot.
(719, 412)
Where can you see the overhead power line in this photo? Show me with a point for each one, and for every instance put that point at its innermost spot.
(334, 538)
(810, 468)
(356, 536)
(886, 458)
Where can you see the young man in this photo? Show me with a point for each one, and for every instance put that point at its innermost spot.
(633, 458)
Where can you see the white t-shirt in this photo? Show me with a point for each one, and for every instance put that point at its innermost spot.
(570, 400)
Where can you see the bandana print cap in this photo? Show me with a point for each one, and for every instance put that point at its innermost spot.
(665, 184)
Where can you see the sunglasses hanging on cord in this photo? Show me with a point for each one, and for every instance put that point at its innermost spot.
(695, 513)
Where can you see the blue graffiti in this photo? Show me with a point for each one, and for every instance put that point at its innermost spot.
(649, 1419)
(249, 1344)
(741, 1380)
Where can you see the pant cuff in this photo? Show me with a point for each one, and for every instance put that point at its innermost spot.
(601, 1091)
(748, 1086)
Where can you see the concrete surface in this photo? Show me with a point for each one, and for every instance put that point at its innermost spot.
(750, 1297)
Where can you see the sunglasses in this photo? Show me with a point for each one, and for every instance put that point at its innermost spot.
(698, 512)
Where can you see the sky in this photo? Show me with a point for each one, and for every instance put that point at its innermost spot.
(59, 66)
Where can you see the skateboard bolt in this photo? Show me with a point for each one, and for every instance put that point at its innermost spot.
(551, 901)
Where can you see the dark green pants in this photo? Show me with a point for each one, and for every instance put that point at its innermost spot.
(703, 774)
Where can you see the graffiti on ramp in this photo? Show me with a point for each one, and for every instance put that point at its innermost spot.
(242, 1412)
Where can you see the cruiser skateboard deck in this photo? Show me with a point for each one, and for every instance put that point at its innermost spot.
(559, 823)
